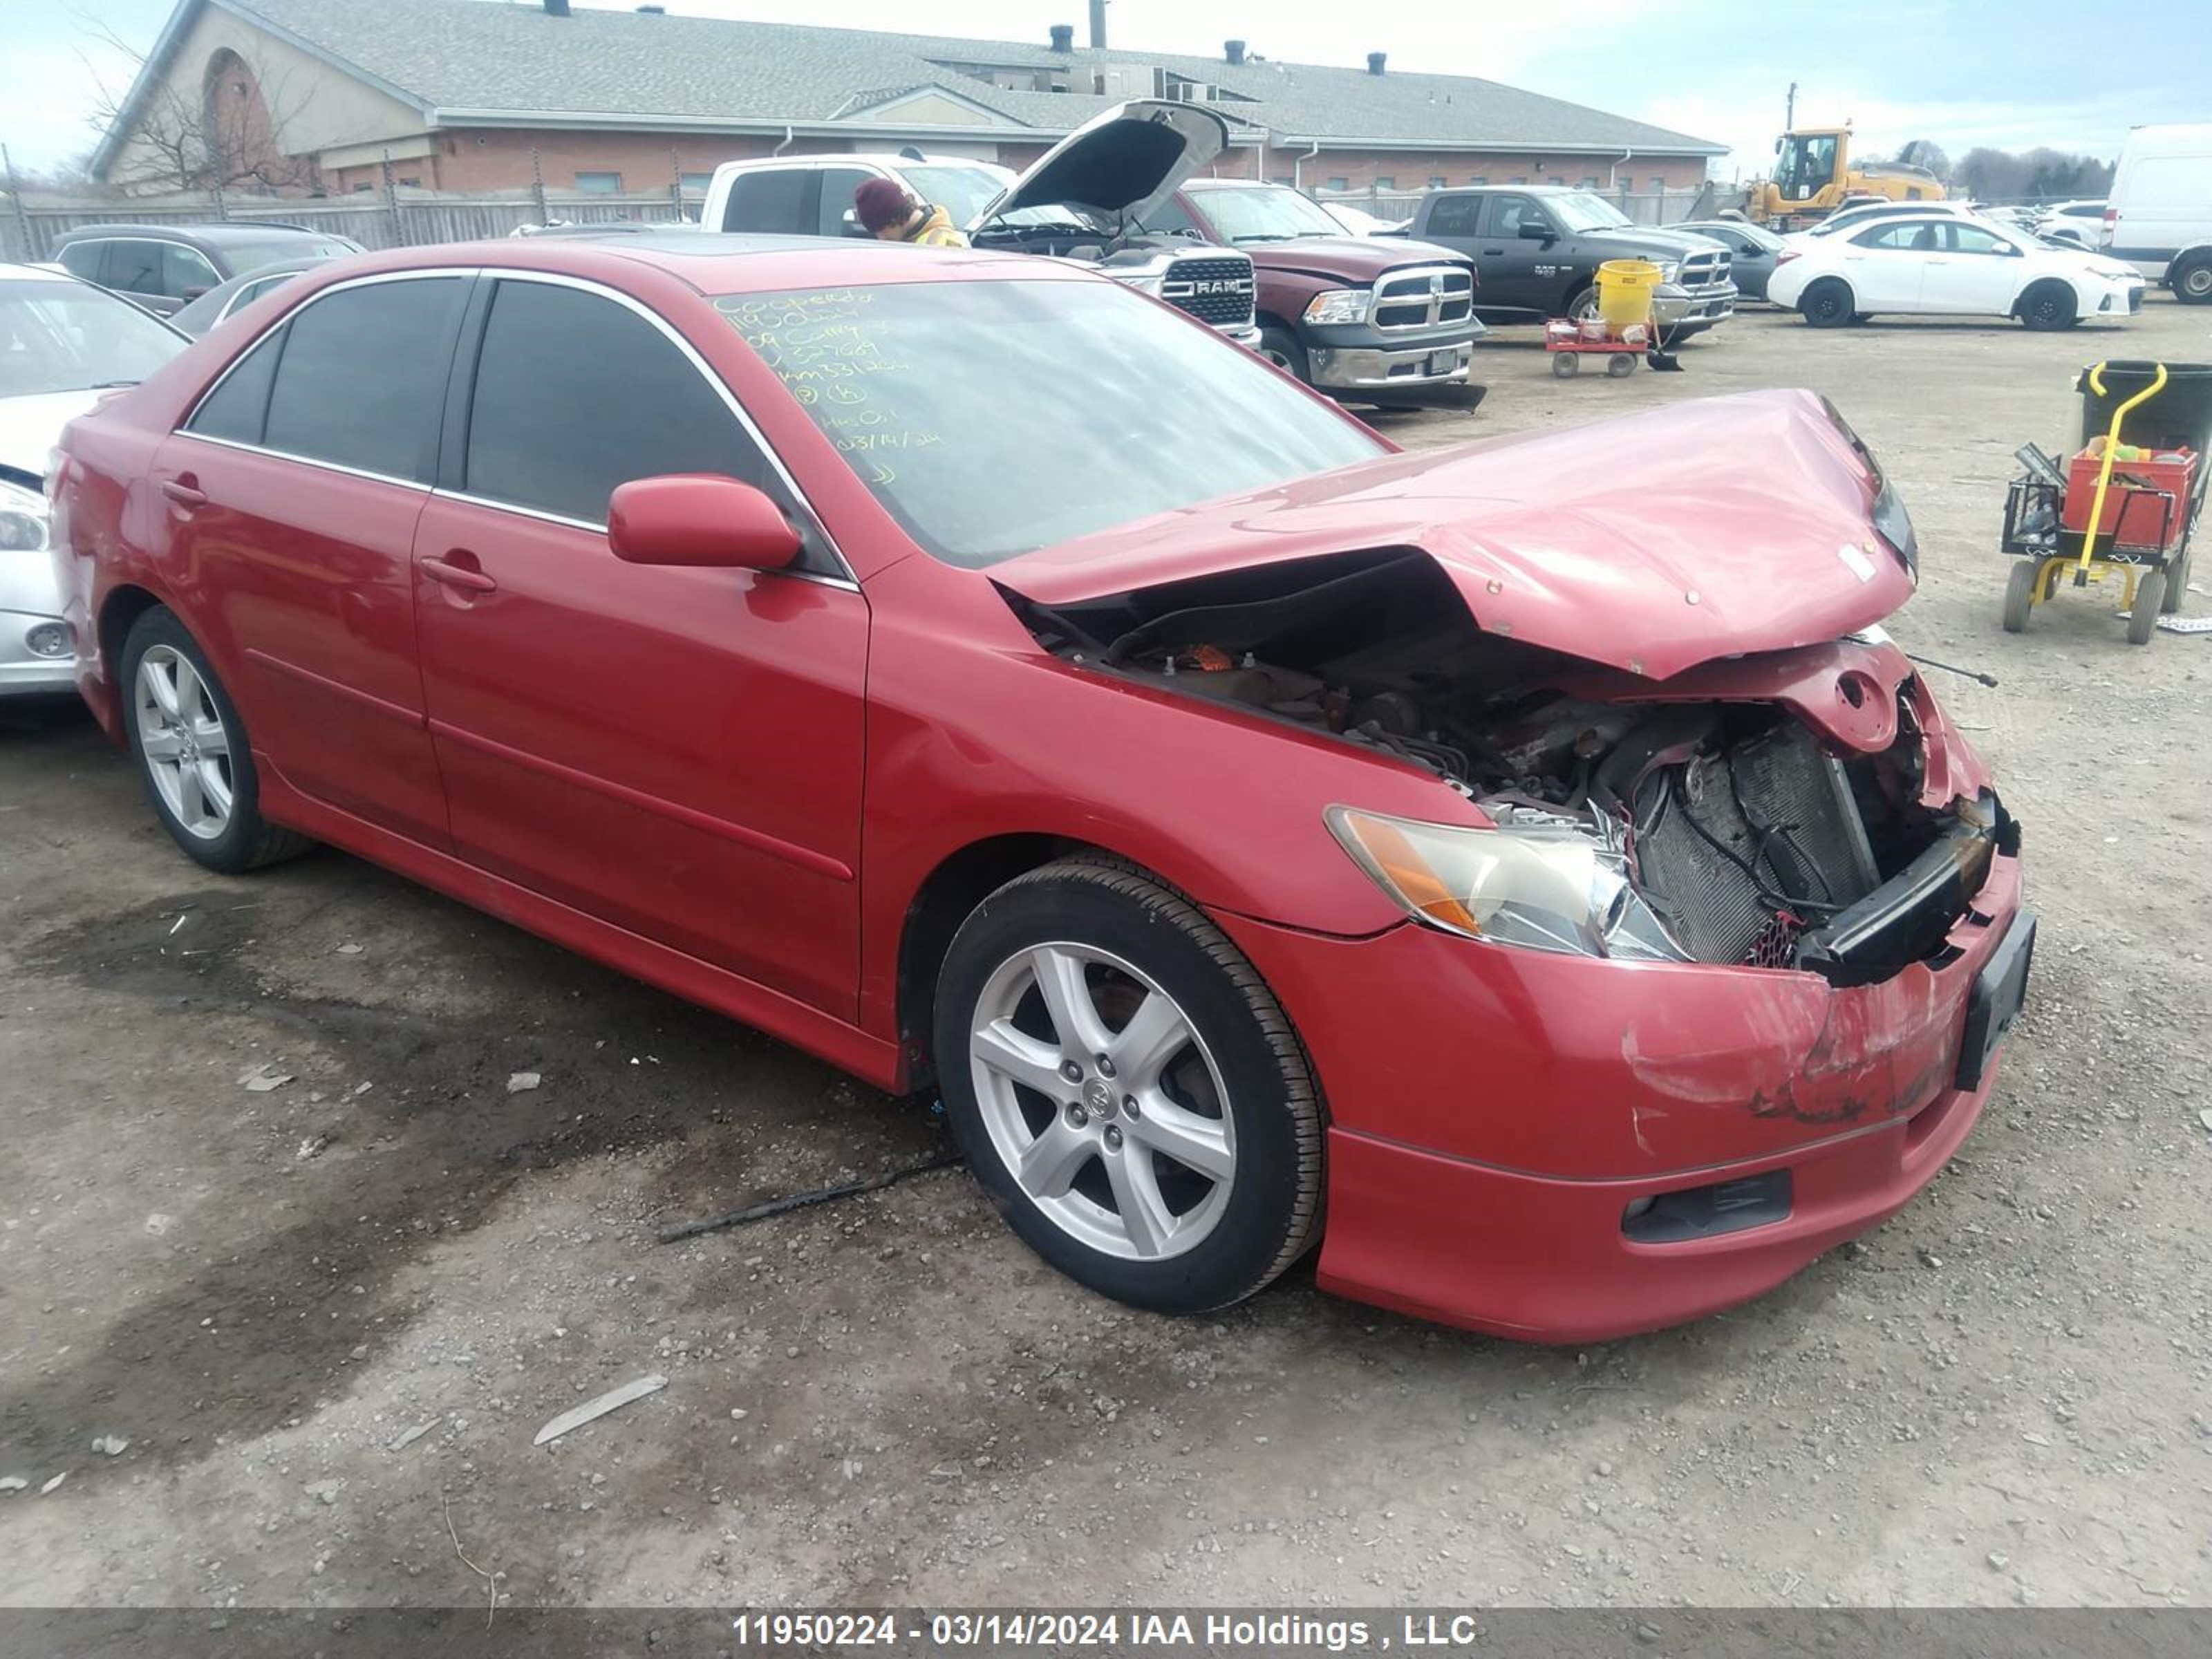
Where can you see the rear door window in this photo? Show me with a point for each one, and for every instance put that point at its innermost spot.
(1456, 216)
(838, 185)
(238, 409)
(771, 200)
(362, 378)
(132, 266)
(575, 393)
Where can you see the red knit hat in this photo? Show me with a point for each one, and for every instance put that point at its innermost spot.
(880, 203)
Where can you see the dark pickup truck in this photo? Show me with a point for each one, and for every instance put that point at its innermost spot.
(1365, 320)
(1536, 249)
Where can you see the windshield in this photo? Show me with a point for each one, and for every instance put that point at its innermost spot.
(963, 192)
(992, 417)
(1577, 210)
(1273, 215)
(67, 337)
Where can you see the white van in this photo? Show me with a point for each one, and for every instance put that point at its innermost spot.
(2159, 215)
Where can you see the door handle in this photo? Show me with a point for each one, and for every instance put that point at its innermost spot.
(184, 494)
(457, 576)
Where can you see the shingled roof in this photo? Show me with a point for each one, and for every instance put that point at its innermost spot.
(478, 62)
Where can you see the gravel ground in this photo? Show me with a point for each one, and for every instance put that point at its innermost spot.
(289, 1345)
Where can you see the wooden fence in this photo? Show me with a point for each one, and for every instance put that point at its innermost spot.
(29, 231)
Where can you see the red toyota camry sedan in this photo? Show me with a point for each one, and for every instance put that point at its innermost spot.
(1525, 870)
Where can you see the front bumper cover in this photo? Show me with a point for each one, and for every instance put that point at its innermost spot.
(1390, 368)
(1495, 1113)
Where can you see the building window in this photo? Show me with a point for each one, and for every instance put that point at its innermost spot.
(599, 184)
(1658, 184)
(1284, 179)
(699, 181)
(1436, 181)
(1340, 183)
(1590, 183)
(1520, 178)
(1481, 178)
(1556, 180)
(1386, 181)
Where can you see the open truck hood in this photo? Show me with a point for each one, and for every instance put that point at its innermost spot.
(1126, 161)
(1651, 543)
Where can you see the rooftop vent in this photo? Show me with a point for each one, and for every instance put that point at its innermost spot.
(1063, 37)
(1375, 62)
(1097, 25)
(1233, 50)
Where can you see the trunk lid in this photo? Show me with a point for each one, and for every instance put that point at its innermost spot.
(1127, 159)
(1650, 543)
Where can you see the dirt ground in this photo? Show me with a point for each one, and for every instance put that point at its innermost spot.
(2003, 1396)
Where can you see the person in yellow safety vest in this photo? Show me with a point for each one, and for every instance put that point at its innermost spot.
(887, 213)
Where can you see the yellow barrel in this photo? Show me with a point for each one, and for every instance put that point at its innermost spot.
(1624, 292)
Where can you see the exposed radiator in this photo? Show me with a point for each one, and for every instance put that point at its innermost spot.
(1711, 904)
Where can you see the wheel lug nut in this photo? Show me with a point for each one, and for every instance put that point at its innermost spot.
(1077, 1117)
(1071, 1070)
(1113, 1139)
(1129, 1106)
(1105, 1066)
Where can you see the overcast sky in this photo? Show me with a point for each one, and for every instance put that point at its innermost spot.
(1961, 72)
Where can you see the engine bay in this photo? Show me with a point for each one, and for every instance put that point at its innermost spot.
(1737, 834)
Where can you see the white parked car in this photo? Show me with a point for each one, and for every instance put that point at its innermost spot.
(1859, 214)
(1360, 222)
(2075, 223)
(63, 342)
(1950, 265)
(2159, 215)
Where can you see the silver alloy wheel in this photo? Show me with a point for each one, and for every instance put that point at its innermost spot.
(2197, 280)
(186, 746)
(1278, 356)
(1099, 1094)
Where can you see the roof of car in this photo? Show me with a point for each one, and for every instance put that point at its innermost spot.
(216, 235)
(718, 262)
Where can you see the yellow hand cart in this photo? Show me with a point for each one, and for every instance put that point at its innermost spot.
(2126, 501)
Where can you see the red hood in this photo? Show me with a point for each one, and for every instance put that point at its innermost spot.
(1348, 258)
(1652, 542)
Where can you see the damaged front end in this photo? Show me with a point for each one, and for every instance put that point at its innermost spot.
(1807, 808)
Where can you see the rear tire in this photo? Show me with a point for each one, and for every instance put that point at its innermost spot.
(1826, 304)
(1565, 365)
(2020, 594)
(1282, 348)
(2048, 308)
(1620, 365)
(2142, 616)
(1213, 1186)
(192, 752)
(2192, 280)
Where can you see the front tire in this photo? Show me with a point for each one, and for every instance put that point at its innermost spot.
(2143, 615)
(2048, 308)
(192, 753)
(1283, 348)
(1826, 304)
(1087, 987)
(2021, 595)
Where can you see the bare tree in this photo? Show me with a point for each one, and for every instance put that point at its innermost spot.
(224, 131)
(1925, 153)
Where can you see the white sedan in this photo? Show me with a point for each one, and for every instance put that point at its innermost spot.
(62, 343)
(1947, 264)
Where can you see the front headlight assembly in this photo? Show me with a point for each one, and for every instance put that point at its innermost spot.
(1539, 880)
(22, 519)
(1339, 304)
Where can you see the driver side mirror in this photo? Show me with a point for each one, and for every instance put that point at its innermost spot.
(702, 520)
(1535, 230)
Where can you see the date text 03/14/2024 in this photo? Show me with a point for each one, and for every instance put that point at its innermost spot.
(1259, 1632)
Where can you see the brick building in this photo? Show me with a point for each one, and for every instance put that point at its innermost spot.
(477, 95)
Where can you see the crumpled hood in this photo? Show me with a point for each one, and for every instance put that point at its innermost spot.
(1128, 161)
(32, 426)
(1651, 543)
